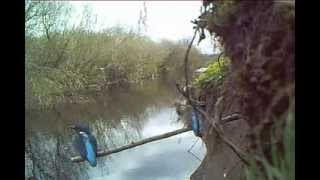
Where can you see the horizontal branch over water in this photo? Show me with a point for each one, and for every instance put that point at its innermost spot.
(132, 145)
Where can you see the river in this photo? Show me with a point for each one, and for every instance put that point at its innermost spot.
(116, 117)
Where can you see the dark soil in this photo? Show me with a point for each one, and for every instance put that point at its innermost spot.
(258, 36)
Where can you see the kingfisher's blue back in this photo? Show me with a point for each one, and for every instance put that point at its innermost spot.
(86, 144)
(196, 123)
(89, 142)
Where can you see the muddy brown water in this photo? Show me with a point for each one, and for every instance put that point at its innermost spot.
(116, 118)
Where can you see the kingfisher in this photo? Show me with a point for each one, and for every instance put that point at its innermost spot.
(85, 143)
(196, 123)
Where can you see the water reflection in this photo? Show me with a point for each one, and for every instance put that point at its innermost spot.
(116, 118)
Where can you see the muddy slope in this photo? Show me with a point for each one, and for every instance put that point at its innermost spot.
(258, 36)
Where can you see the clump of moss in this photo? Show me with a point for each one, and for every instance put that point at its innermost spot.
(214, 75)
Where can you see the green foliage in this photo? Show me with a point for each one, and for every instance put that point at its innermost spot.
(62, 61)
(75, 60)
(214, 75)
(283, 163)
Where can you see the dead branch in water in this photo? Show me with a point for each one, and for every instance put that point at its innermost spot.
(132, 145)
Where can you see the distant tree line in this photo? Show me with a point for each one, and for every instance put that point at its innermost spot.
(62, 59)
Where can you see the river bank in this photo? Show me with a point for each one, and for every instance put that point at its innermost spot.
(258, 37)
(116, 120)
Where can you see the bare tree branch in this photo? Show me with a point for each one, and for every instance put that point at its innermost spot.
(132, 145)
(186, 66)
(214, 122)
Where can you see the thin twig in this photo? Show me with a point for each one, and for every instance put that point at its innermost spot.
(194, 155)
(186, 58)
(214, 122)
(216, 126)
(219, 59)
(186, 96)
(189, 150)
(193, 144)
(231, 169)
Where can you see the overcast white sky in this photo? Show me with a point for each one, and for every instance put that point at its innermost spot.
(165, 19)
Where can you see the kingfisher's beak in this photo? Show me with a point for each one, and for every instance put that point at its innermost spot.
(72, 127)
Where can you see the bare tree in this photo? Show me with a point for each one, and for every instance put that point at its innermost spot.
(45, 17)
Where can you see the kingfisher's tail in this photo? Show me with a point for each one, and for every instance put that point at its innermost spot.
(91, 154)
(93, 163)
